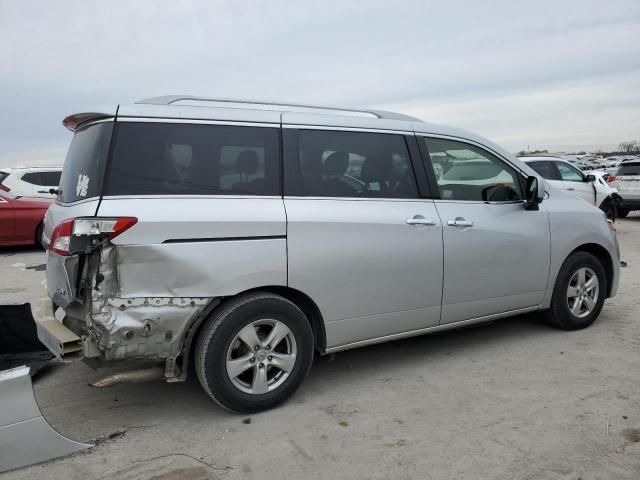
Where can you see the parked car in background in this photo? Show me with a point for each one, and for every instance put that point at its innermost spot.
(21, 220)
(580, 164)
(595, 164)
(626, 180)
(590, 187)
(245, 239)
(34, 182)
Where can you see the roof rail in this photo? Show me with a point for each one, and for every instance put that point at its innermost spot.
(170, 99)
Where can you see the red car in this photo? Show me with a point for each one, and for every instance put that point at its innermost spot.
(21, 220)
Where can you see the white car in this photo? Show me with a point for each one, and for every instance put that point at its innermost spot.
(30, 181)
(563, 175)
(627, 181)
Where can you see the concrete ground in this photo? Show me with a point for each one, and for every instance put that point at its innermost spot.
(512, 399)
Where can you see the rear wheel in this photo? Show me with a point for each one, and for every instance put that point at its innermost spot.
(623, 212)
(39, 234)
(579, 292)
(254, 352)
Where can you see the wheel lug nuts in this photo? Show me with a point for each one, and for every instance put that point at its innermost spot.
(256, 348)
(252, 359)
(261, 365)
(268, 347)
(269, 357)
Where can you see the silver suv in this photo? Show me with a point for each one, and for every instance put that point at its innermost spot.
(242, 237)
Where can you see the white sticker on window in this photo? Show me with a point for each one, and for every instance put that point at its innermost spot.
(82, 186)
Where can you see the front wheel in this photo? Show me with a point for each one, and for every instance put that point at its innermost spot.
(579, 293)
(254, 352)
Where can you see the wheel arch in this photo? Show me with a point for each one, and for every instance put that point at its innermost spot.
(603, 255)
(308, 307)
(300, 299)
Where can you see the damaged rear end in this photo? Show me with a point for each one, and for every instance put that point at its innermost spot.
(140, 247)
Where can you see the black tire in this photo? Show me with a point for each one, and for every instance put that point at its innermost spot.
(219, 331)
(623, 212)
(559, 315)
(39, 235)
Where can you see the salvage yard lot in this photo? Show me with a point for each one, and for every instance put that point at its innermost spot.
(511, 399)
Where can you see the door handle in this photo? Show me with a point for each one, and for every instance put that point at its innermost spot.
(460, 223)
(570, 188)
(420, 220)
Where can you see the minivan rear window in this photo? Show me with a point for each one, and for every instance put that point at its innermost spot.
(152, 158)
(84, 166)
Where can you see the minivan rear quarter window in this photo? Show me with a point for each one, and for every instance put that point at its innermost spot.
(43, 179)
(193, 159)
(84, 166)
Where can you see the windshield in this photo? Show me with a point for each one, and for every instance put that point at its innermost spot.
(84, 166)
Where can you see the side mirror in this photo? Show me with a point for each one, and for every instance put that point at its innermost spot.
(533, 193)
(590, 178)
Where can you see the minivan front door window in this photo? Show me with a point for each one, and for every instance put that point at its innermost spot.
(466, 172)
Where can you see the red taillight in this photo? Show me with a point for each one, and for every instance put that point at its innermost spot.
(611, 178)
(61, 238)
(5, 188)
(82, 234)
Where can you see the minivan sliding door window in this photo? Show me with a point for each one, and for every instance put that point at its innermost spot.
(328, 163)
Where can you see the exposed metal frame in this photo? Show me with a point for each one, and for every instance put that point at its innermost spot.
(305, 108)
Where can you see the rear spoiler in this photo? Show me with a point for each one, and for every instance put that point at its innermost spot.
(75, 120)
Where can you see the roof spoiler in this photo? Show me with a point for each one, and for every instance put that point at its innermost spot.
(73, 121)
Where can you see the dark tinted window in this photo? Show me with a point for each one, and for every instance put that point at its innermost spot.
(188, 159)
(348, 164)
(629, 168)
(466, 172)
(545, 169)
(33, 178)
(3, 175)
(48, 179)
(84, 166)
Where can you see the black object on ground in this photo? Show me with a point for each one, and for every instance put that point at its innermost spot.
(19, 344)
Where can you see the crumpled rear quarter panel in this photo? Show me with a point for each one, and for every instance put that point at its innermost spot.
(200, 269)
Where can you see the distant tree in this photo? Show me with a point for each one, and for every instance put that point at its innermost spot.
(522, 153)
(582, 153)
(629, 147)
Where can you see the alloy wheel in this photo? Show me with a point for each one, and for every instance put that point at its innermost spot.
(261, 356)
(582, 292)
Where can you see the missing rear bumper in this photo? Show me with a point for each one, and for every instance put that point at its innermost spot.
(52, 332)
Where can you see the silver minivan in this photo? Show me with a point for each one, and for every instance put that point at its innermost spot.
(241, 238)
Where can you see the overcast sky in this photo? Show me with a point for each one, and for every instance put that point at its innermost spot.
(561, 74)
